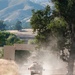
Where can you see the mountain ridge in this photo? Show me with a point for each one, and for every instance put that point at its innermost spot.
(18, 10)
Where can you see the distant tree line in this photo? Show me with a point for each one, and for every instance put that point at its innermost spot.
(2, 25)
(18, 25)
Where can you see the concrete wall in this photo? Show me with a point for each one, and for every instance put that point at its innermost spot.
(9, 51)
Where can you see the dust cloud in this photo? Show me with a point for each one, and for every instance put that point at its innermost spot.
(48, 58)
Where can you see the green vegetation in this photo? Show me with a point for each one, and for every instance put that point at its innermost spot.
(66, 9)
(1, 52)
(2, 25)
(61, 24)
(32, 41)
(18, 25)
(39, 21)
(7, 38)
(48, 25)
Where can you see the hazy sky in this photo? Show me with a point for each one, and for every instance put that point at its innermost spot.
(40, 0)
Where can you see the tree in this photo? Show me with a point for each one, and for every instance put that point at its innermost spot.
(12, 39)
(7, 38)
(18, 25)
(47, 25)
(58, 27)
(2, 25)
(61, 22)
(39, 22)
(66, 9)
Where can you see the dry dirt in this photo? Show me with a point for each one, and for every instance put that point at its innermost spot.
(8, 67)
(23, 32)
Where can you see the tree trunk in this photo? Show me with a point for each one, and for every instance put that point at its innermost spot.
(71, 65)
(72, 52)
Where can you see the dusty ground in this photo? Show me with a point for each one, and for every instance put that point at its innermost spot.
(23, 33)
(28, 34)
(8, 67)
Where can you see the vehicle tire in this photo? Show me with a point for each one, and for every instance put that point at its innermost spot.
(32, 73)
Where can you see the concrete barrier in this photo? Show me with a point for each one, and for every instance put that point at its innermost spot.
(9, 51)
